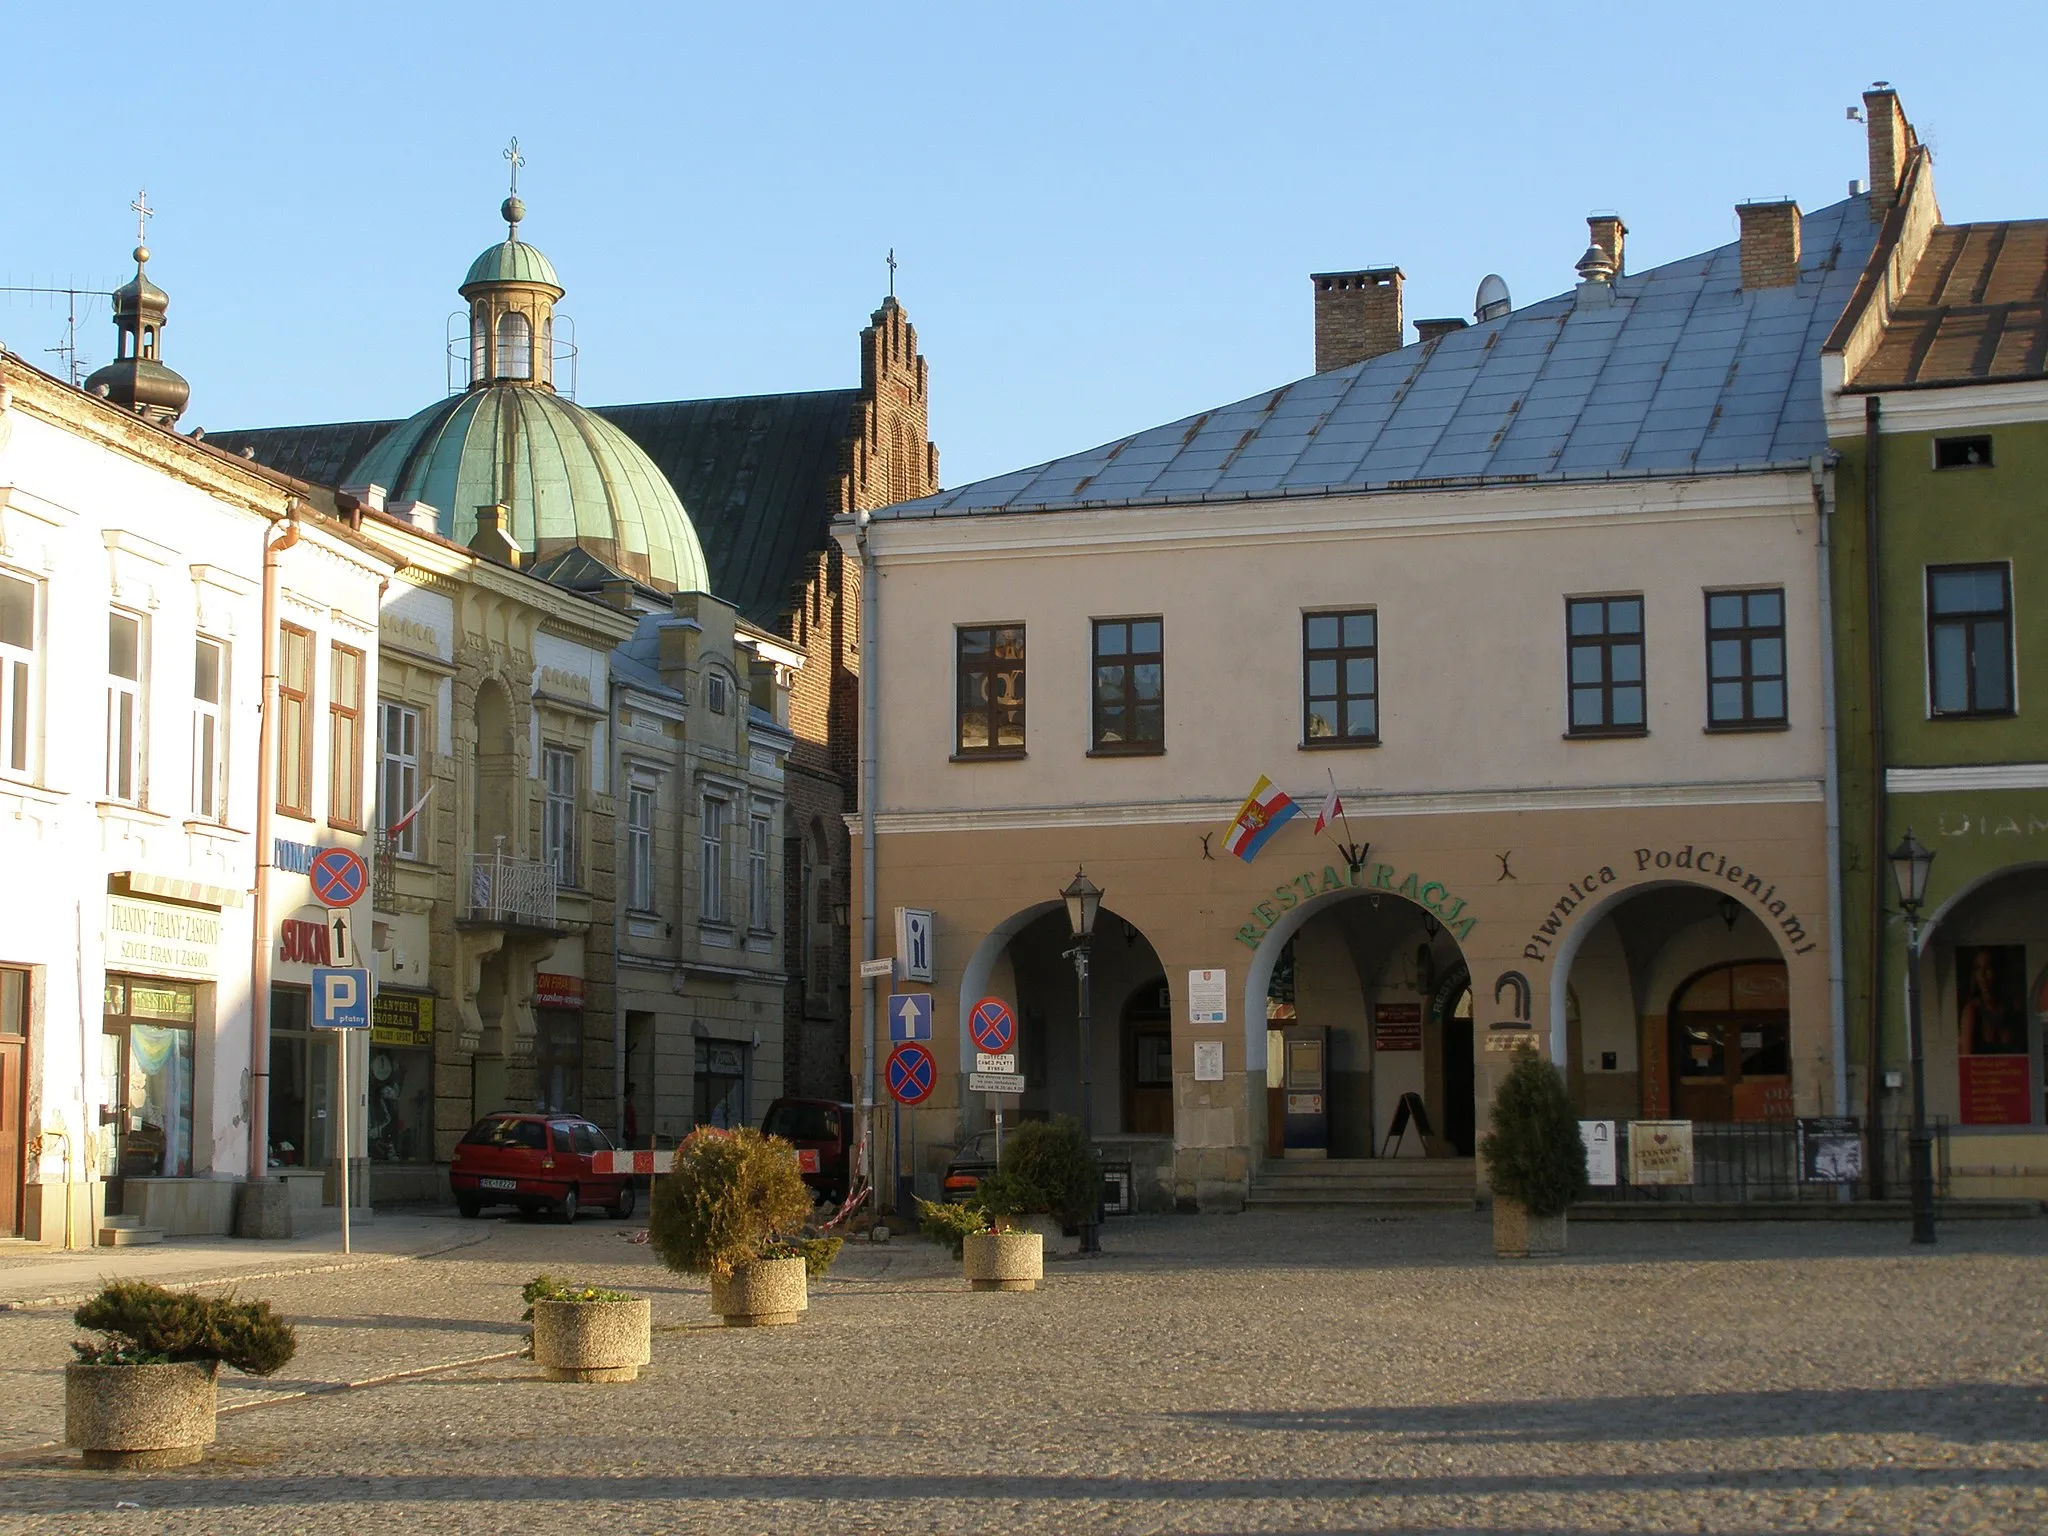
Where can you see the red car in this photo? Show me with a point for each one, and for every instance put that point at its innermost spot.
(823, 1133)
(536, 1161)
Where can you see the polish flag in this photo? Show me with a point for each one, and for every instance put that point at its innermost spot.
(405, 821)
(1331, 810)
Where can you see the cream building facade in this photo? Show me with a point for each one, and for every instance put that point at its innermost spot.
(1539, 597)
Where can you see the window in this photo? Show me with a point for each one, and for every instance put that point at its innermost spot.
(345, 737)
(1605, 643)
(294, 721)
(1969, 639)
(640, 847)
(558, 825)
(479, 335)
(760, 831)
(1340, 678)
(711, 862)
(18, 675)
(1962, 453)
(1130, 686)
(714, 692)
(399, 793)
(209, 754)
(1745, 659)
(125, 712)
(515, 346)
(990, 718)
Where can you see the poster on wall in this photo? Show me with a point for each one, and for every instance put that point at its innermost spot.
(1991, 1034)
(1208, 997)
(1830, 1150)
(1598, 1135)
(1660, 1152)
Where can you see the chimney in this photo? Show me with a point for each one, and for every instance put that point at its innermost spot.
(1358, 315)
(1770, 243)
(1892, 142)
(370, 497)
(493, 537)
(422, 515)
(1609, 233)
(1430, 330)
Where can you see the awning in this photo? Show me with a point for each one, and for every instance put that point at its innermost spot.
(142, 883)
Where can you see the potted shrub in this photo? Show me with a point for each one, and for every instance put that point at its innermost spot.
(1535, 1159)
(142, 1395)
(732, 1210)
(585, 1333)
(1048, 1180)
(996, 1256)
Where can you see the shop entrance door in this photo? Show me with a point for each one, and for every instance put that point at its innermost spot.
(13, 1095)
(1731, 1045)
(146, 1067)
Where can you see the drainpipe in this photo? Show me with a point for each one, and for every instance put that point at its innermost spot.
(1823, 468)
(266, 796)
(870, 684)
(1878, 872)
(620, 865)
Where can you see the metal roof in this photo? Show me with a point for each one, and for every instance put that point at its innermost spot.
(1682, 371)
(511, 261)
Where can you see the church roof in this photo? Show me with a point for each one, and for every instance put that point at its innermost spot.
(759, 474)
(1684, 371)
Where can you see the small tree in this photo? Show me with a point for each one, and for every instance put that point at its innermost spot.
(1534, 1153)
(144, 1324)
(733, 1198)
(1047, 1168)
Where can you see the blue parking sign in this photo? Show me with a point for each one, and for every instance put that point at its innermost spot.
(341, 997)
(910, 1016)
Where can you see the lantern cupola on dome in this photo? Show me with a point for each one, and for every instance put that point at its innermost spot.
(137, 377)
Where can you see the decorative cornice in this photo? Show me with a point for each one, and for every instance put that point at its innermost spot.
(1361, 805)
(1966, 776)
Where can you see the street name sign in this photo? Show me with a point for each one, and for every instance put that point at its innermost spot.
(870, 969)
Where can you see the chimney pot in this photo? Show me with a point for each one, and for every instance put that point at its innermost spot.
(1431, 330)
(1358, 315)
(493, 538)
(1770, 243)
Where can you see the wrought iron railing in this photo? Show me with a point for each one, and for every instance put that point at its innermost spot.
(1749, 1162)
(498, 889)
(383, 874)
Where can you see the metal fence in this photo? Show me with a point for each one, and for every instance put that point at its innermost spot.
(502, 890)
(1750, 1162)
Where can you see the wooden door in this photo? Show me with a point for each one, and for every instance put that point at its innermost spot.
(13, 1102)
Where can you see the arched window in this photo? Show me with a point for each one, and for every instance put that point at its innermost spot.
(479, 335)
(515, 346)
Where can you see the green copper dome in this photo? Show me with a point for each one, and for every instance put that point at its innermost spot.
(569, 477)
(512, 261)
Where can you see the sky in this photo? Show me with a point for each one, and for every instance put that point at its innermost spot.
(1105, 214)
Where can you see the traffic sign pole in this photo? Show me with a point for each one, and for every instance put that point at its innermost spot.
(341, 1046)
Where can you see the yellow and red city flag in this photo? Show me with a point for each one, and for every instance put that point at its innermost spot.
(1264, 809)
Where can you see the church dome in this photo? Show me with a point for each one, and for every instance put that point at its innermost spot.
(511, 261)
(568, 476)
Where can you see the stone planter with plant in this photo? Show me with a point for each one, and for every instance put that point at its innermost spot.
(1535, 1160)
(143, 1395)
(995, 1254)
(1048, 1180)
(733, 1209)
(586, 1333)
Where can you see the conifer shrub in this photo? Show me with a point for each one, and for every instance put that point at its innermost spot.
(144, 1324)
(951, 1225)
(1047, 1169)
(732, 1199)
(1534, 1153)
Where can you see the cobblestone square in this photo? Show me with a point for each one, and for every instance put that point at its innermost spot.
(1265, 1372)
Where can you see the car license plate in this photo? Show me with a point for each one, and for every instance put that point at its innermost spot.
(498, 1183)
(807, 1159)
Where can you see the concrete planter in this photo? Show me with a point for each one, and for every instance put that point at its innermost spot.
(1518, 1235)
(1003, 1261)
(140, 1416)
(592, 1340)
(772, 1291)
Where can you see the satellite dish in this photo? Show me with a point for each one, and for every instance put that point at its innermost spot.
(1492, 301)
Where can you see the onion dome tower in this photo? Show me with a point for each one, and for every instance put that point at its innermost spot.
(566, 476)
(137, 378)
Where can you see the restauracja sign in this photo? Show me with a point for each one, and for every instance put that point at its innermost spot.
(1431, 894)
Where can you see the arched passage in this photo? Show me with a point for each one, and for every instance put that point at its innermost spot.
(1645, 1020)
(1984, 999)
(1025, 961)
(1370, 991)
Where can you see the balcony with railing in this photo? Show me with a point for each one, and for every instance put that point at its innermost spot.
(515, 892)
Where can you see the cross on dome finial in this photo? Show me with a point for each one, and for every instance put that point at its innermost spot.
(513, 209)
(143, 213)
(892, 271)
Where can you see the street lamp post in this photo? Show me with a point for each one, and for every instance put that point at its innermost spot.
(1910, 863)
(1084, 901)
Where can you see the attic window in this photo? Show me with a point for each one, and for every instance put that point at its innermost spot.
(714, 692)
(1962, 453)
